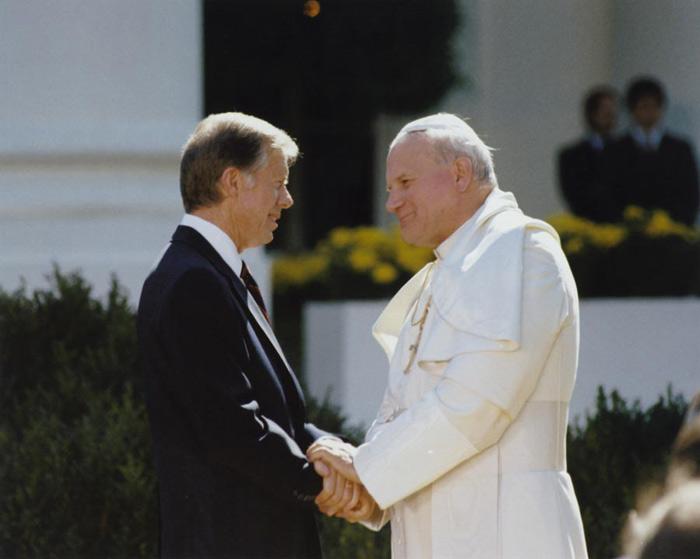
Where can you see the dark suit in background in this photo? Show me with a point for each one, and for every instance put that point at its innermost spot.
(585, 181)
(227, 416)
(664, 177)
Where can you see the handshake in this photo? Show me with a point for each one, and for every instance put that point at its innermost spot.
(343, 494)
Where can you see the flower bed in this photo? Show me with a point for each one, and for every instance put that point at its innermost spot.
(359, 263)
(647, 254)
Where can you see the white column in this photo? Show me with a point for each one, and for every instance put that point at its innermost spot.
(97, 99)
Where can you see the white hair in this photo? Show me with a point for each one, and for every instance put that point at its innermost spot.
(451, 138)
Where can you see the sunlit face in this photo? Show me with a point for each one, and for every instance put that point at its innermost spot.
(647, 112)
(421, 190)
(261, 199)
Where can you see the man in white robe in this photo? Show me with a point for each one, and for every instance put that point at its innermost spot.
(467, 455)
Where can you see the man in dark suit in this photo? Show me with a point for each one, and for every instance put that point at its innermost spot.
(584, 167)
(226, 411)
(654, 169)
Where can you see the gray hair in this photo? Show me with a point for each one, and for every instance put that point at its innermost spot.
(227, 140)
(452, 137)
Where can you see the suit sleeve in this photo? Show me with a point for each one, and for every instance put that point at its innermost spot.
(479, 395)
(312, 434)
(204, 332)
(569, 182)
(687, 200)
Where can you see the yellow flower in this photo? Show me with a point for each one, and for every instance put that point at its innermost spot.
(316, 265)
(384, 273)
(296, 271)
(370, 237)
(570, 224)
(661, 225)
(362, 259)
(573, 246)
(607, 236)
(341, 237)
(633, 213)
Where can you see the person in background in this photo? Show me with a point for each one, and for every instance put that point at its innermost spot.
(584, 168)
(670, 529)
(685, 454)
(653, 168)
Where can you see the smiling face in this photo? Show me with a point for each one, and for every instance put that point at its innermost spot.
(424, 192)
(260, 197)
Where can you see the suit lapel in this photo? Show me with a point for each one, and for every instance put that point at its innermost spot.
(269, 344)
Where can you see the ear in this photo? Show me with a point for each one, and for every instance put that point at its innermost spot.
(463, 172)
(231, 181)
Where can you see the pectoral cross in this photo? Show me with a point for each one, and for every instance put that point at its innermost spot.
(413, 348)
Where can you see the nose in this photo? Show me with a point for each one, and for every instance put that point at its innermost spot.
(393, 201)
(285, 200)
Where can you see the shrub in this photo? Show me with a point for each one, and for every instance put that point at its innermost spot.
(76, 479)
(64, 326)
(613, 456)
(75, 470)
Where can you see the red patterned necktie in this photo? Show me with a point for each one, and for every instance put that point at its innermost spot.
(254, 290)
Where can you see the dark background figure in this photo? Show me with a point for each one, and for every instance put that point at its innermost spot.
(654, 169)
(584, 167)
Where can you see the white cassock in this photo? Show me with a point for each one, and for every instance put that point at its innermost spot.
(467, 456)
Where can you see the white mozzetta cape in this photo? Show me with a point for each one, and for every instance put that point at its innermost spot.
(467, 455)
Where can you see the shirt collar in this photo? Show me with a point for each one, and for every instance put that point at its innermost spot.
(221, 242)
(597, 141)
(650, 139)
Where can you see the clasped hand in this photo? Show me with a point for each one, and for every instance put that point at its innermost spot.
(343, 494)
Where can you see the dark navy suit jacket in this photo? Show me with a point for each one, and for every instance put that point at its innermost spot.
(665, 178)
(227, 416)
(585, 181)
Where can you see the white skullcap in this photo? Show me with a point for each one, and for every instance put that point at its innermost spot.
(455, 136)
(439, 121)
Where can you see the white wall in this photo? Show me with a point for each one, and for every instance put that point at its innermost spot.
(98, 76)
(342, 362)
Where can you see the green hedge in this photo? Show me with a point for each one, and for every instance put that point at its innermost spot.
(75, 469)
